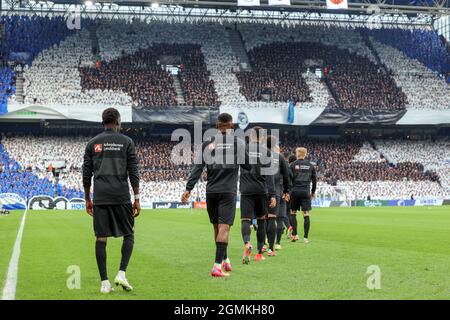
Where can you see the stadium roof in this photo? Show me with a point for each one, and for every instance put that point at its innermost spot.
(392, 12)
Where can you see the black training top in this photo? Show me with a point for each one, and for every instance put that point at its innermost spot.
(111, 158)
(283, 177)
(303, 173)
(258, 179)
(222, 156)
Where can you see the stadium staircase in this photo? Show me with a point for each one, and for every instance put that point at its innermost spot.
(20, 95)
(178, 90)
(237, 44)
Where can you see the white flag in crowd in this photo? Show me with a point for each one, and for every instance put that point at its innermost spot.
(337, 4)
(279, 2)
(248, 3)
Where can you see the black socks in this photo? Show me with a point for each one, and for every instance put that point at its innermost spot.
(306, 226)
(246, 231)
(127, 249)
(271, 232)
(261, 234)
(280, 227)
(100, 254)
(294, 224)
(221, 248)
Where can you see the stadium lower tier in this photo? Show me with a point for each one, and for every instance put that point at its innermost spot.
(347, 169)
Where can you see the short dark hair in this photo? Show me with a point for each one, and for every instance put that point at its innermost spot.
(286, 154)
(110, 116)
(224, 118)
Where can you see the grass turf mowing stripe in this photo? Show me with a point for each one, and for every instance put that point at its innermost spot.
(174, 251)
(9, 290)
(8, 232)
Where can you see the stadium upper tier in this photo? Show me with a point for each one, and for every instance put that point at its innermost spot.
(394, 169)
(364, 69)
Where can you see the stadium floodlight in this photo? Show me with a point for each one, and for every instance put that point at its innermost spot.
(88, 3)
(155, 5)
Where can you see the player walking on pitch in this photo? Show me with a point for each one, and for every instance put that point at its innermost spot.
(303, 174)
(111, 158)
(222, 156)
(282, 190)
(257, 193)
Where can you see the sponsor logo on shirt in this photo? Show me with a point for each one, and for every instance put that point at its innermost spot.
(98, 148)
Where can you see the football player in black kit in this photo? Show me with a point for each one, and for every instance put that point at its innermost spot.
(222, 156)
(303, 175)
(110, 158)
(276, 216)
(257, 192)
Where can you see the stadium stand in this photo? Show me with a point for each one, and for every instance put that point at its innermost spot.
(14, 178)
(423, 87)
(357, 81)
(7, 87)
(32, 34)
(142, 76)
(387, 171)
(396, 73)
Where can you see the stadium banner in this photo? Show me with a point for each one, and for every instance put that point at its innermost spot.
(425, 116)
(446, 202)
(175, 115)
(248, 3)
(172, 205)
(337, 4)
(399, 203)
(279, 2)
(333, 116)
(90, 113)
(278, 115)
(77, 204)
(12, 201)
(44, 202)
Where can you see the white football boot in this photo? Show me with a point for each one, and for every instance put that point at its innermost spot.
(106, 287)
(122, 281)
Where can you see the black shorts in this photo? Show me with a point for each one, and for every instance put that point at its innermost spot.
(300, 200)
(221, 207)
(254, 205)
(276, 210)
(113, 220)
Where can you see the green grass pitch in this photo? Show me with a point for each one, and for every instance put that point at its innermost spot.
(174, 252)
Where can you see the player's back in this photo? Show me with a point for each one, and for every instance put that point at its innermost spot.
(223, 155)
(108, 153)
(253, 179)
(302, 174)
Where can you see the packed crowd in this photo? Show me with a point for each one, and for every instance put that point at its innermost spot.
(7, 87)
(433, 155)
(32, 34)
(142, 76)
(422, 45)
(402, 167)
(356, 80)
(14, 178)
(63, 70)
(423, 87)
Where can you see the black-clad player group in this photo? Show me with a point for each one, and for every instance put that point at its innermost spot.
(273, 188)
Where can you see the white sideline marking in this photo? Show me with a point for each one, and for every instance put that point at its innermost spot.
(9, 291)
